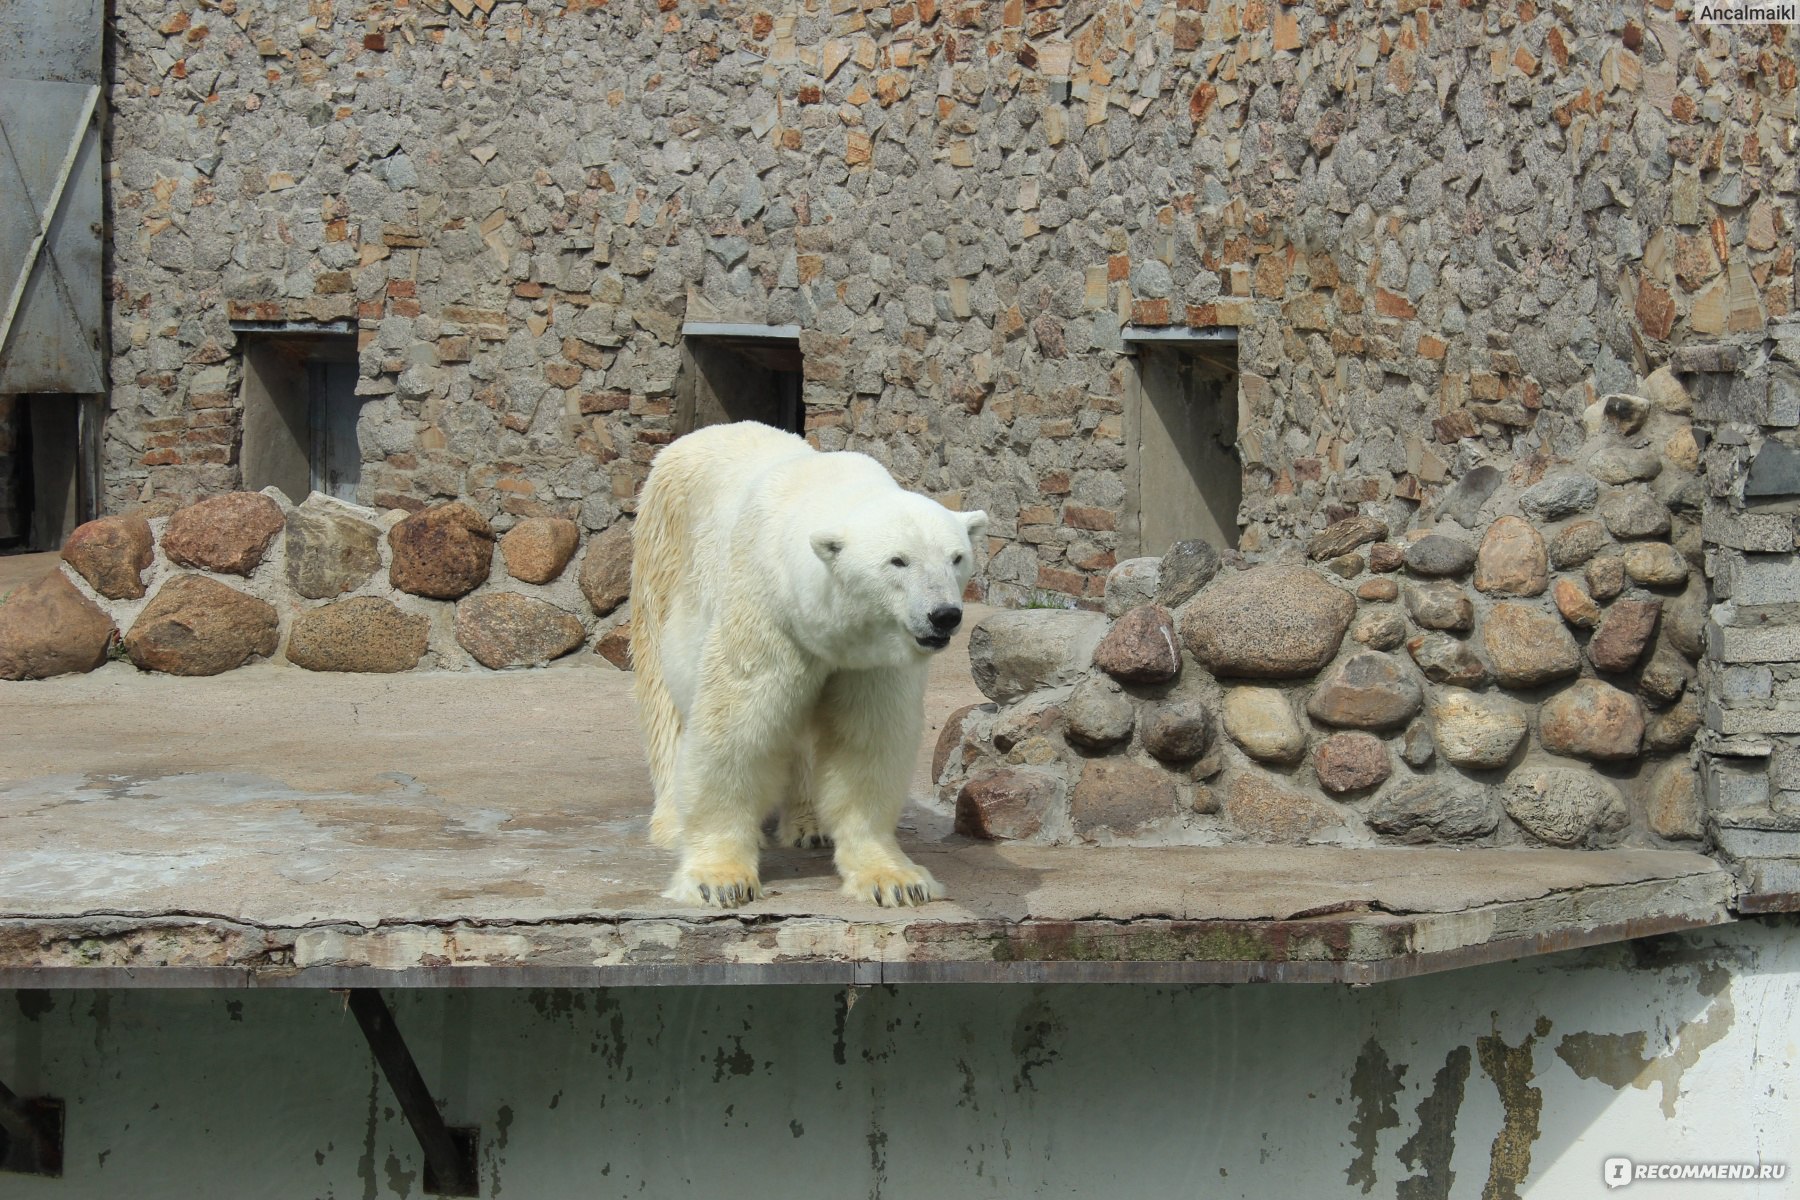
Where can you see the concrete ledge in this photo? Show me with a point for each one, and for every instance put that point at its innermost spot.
(1023, 914)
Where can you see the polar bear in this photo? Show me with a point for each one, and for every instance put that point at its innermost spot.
(785, 607)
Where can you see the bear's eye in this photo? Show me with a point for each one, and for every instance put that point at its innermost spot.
(897, 561)
(957, 561)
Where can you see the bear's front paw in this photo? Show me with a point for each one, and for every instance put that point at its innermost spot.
(715, 888)
(894, 887)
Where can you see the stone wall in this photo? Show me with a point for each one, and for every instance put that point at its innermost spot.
(1517, 666)
(328, 586)
(1440, 232)
(1747, 400)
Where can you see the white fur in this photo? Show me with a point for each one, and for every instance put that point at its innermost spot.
(781, 632)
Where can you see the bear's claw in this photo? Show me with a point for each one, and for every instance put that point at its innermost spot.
(723, 894)
(896, 889)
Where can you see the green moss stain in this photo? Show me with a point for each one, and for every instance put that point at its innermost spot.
(1374, 1085)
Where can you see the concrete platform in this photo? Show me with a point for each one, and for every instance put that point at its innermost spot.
(273, 827)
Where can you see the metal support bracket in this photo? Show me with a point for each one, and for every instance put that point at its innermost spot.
(452, 1155)
(31, 1135)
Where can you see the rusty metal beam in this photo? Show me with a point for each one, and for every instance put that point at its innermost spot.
(450, 1165)
(31, 1134)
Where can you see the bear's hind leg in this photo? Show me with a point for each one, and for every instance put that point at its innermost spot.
(800, 826)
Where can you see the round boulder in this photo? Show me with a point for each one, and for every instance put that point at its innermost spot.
(1012, 654)
(1434, 810)
(1437, 555)
(1527, 647)
(1175, 730)
(538, 548)
(1098, 714)
(606, 569)
(504, 629)
(1442, 606)
(1592, 720)
(1351, 762)
(1448, 660)
(1270, 622)
(329, 553)
(112, 554)
(1120, 796)
(1512, 560)
(1564, 807)
(1479, 732)
(1260, 720)
(444, 552)
(228, 534)
(47, 627)
(1366, 691)
(1010, 804)
(1131, 583)
(365, 633)
(199, 626)
(1264, 811)
(1140, 647)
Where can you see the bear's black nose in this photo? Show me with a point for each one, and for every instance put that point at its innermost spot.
(946, 617)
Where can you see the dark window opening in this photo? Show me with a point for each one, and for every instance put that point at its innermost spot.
(300, 413)
(1185, 477)
(49, 468)
(740, 373)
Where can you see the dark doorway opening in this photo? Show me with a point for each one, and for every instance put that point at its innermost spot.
(300, 412)
(1185, 478)
(49, 468)
(740, 373)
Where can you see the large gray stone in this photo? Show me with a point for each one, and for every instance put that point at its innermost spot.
(1577, 542)
(1477, 731)
(1015, 653)
(1175, 730)
(1187, 567)
(1593, 720)
(1444, 606)
(1265, 811)
(1560, 496)
(1120, 797)
(1463, 502)
(1448, 660)
(605, 576)
(1098, 714)
(1131, 583)
(1270, 622)
(1434, 810)
(329, 552)
(1366, 691)
(1634, 513)
(1436, 555)
(1565, 807)
(1528, 647)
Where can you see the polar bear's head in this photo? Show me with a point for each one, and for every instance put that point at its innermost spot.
(906, 559)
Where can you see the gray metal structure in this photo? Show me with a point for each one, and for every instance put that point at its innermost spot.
(51, 214)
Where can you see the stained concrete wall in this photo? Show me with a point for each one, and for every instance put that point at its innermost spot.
(1502, 1081)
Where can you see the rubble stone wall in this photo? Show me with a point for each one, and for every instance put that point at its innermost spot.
(1440, 232)
(245, 576)
(1516, 668)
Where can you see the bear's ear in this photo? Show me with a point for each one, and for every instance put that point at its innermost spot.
(828, 544)
(976, 522)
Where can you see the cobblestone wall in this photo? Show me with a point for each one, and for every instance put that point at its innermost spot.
(1440, 232)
